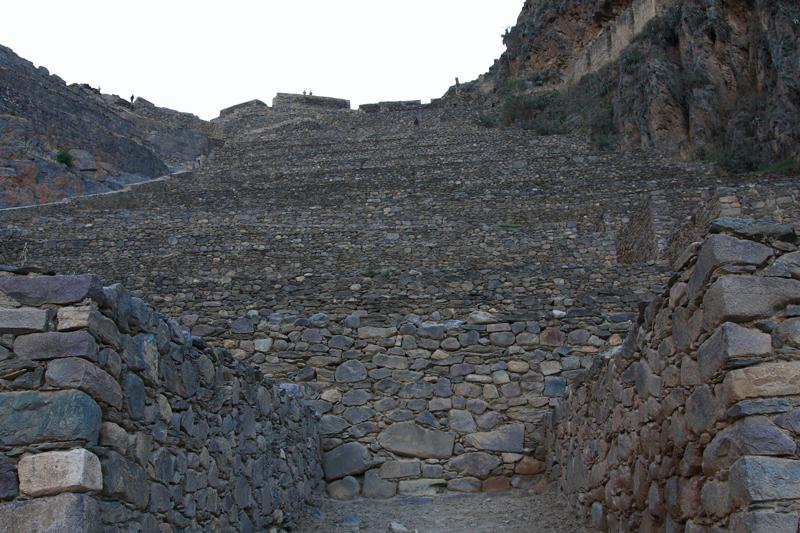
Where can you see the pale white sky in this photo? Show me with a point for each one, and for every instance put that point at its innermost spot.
(201, 56)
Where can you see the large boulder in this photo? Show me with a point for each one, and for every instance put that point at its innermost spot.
(746, 298)
(407, 438)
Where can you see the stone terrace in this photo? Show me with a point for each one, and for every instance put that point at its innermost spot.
(438, 283)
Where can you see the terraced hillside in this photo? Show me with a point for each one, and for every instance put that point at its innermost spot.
(434, 287)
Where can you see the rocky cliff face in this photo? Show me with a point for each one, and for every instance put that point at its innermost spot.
(714, 78)
(59, 140)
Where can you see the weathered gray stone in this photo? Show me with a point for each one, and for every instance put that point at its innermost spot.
(9, 485)
(345, 460)
(509, 438)
(789, 331)
(134, 395)
(462, 421)
(718, 250)
(464, 484)
(728, 343)
(475, 464)
(50, 473)
(375, 487)
(407, 438)
(420, 487)
(22, 320)
(700, 409)
(331, 424)
(344, 489)
(400, 469)
(765, 380)
(754, 229)
(481, 317)
(75, 373)
(52, 345)
(371, 332)
(242, 326)
(125, 479)
(351, 372)
(755, 435)
(65, 513)
(757, 479)
(502, 338)
(34, 417)
(746, 298)
(764, 522)
(555, 386)
(42, 290)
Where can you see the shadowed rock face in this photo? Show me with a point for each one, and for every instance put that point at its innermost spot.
(111, 142)
(722, 76)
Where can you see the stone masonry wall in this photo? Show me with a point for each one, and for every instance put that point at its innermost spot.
(113, 418)
(691, 425)
(414, 406)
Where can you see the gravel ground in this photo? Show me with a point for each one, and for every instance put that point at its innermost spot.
(511, 512)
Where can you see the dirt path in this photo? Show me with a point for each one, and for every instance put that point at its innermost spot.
(515, 512)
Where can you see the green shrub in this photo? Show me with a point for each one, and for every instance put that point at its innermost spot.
(787, 166)
(65, 158)
(740, 156)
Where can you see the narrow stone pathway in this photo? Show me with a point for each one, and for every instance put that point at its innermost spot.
(512, 512)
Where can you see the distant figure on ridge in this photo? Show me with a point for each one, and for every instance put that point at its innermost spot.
(310, 93)
(304, 93)
(131, 98)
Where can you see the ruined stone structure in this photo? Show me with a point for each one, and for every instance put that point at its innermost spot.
(689, 424)
(436, 291)
(112, 417)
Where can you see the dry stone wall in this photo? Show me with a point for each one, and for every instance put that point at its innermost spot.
(113, 418)
(413, 406)
(689, 425)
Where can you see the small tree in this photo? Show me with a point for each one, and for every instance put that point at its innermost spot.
(65, 158)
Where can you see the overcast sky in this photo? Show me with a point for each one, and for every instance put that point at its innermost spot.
(202, 56)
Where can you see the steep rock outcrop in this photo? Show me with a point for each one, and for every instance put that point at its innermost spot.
(59, 140)
(702, 78)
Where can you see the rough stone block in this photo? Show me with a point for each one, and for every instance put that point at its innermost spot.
(125, 480)
(764, 522)
(407, 438)
(758, 479)
(420, 487)
(65, 513)
(475, 464)
(729, 342)
(53, 345)
(34, 417)
(345, 460)
(464, 484)
(504, 439)
(74, 373)
(9, 486)
(400, 469)
(344, 489)
(765, 380)
(22, 320)
(350, 372)
(42, 290)
(718, 250)
(376, 487)
(50, 473)
(88, 317)
(746, 298)
(755, 435)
